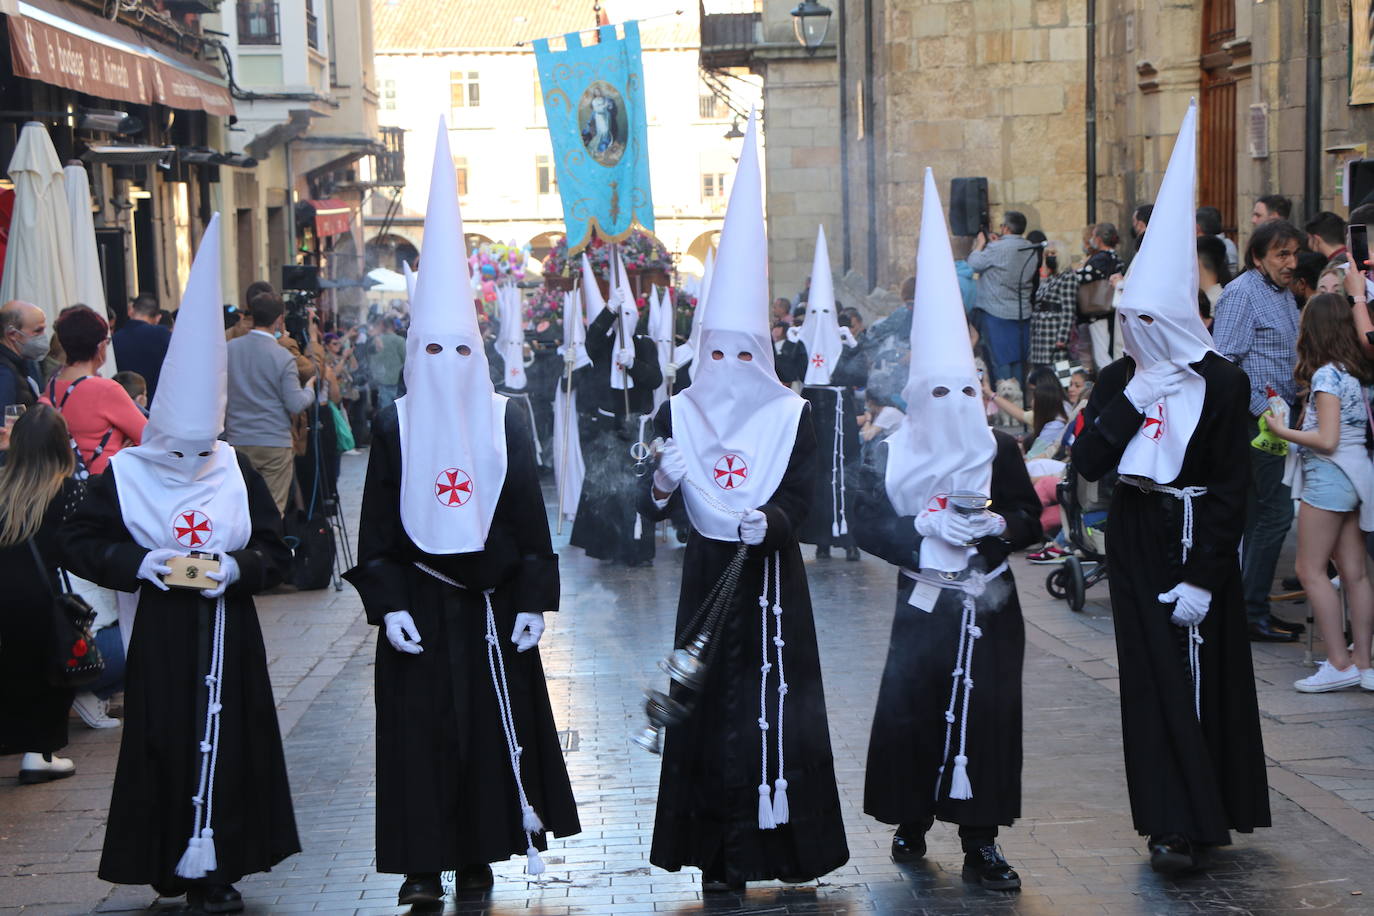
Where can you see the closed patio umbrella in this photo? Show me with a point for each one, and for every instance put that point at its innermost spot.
(88, 286)
(38, 262)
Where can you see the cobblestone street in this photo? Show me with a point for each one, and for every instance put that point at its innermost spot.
(1074, 846)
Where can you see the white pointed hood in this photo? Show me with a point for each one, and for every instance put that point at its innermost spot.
(661, 332)
(945, 443)
(452, 423)
(574, 330)
(685, 353)
(182, 487)
(736, 423)
(622, 329)
(510, 339)
(410, 277)
(1159, 315)
(820, 330)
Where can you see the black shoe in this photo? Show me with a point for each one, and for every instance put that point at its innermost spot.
(1263, 630)
(1171, 854)
(475, 877)
(989, 869)
(822, 553)
(420, 889)
(715, 882)
(1288, 626)
(1291, 584)
(214, 898)
(909, 842)
(851, 554)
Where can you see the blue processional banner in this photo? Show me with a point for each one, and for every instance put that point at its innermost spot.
(594, 103)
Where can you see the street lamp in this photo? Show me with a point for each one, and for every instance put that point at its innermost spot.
(810, 21)
(734, 133)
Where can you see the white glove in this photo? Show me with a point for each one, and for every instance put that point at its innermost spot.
(987, 524)
(154, 566)
(401, 632)
(528, 629)
(1151, 386)
(847, 337)
(228, 574)
(753, 527)
(794, 332)
(672, 467)
(946, 525)
(1190, 604)
(625, 357)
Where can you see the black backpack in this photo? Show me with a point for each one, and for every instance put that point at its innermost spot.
(312, 548)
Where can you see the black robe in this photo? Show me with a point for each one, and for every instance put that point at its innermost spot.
(607, 510)
(833, 459)
(446, 796)
(164, 703)
(907, 745)
(708, 791)
(1185, 777)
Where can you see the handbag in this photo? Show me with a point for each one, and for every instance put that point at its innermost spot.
(1095, 298)
(343, 431)
(75, 660)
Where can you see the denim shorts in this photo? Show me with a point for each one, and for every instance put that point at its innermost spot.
(1326, 486)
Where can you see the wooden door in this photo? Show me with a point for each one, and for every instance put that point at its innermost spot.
(1217, 114)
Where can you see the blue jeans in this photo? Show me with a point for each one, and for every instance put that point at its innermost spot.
(1008, 342)
(1269, 515)
(111, 647)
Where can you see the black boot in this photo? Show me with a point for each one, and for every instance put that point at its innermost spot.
(986, 866)
(851, 554)
(421, 888)
(475, 877)
(1172, 853)
(214, 898)
(823, 553)
(909, 842)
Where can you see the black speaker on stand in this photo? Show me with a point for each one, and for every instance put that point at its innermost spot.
(968, 206)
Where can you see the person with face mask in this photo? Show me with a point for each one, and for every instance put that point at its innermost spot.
(1190, 722)
(456, 566)
(827, 360)
(201, 751)
(24, 343)
(747, 791)
(946, 500)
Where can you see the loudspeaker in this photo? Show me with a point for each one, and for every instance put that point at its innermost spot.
(968, 206)
(301, 277)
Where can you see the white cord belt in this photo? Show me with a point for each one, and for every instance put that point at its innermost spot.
(200, 859)
(776, 812)
(972, 587)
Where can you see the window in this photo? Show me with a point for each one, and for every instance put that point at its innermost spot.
(712, 186)
(545, 179)
(258, 23)
(464, 90)
(460, 174)
(388, 95)
(710, 106)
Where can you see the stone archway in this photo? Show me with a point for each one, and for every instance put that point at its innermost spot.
(390, 251)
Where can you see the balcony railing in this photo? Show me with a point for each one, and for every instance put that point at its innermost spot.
(312, 30)
(727, 38)
(390, 166)
(259, 23)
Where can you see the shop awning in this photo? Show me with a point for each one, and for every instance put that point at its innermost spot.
(73, 48)
(127, 153)
(332, 217)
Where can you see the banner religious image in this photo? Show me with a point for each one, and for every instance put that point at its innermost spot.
(594, 102)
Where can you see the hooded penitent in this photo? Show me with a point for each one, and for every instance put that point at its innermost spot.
(510, 340)
(623, 328)
(945, 444)
(567, 454)
(182, 488)
(685, 353)
(1159, 316)
(661, 332)
(736, 423)
(452, 423)
(820, 330)
(411, 277)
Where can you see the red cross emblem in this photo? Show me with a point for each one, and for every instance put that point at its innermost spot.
(514, 373)
(1154, 425)
(192, 528)
(938, 502)
(818, 360)
(453, 487)
(731, 472)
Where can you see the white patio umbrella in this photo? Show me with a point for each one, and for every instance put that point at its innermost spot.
(38, 263)
(88, 286)
(386, 281)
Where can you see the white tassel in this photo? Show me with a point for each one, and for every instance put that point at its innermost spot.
(208, 856)
(835, 529)
(959, 786)
(192, 864)
(766, 821)
(781, 811)
(531, 821)
(533, 864)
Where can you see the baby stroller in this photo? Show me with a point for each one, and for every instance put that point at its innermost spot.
(1087, 563)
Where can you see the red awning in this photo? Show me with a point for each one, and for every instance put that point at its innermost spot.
(332, 217)
(69, 47)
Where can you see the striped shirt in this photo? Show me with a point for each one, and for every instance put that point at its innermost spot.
(1256, 327)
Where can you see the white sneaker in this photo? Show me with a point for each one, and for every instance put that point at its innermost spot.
(34, 768)
(1328, 677)
(94, 711)
(1367, 679)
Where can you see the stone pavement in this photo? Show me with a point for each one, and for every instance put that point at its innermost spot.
(1074, 846)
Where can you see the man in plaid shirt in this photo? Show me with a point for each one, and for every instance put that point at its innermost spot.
(1256, 327)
